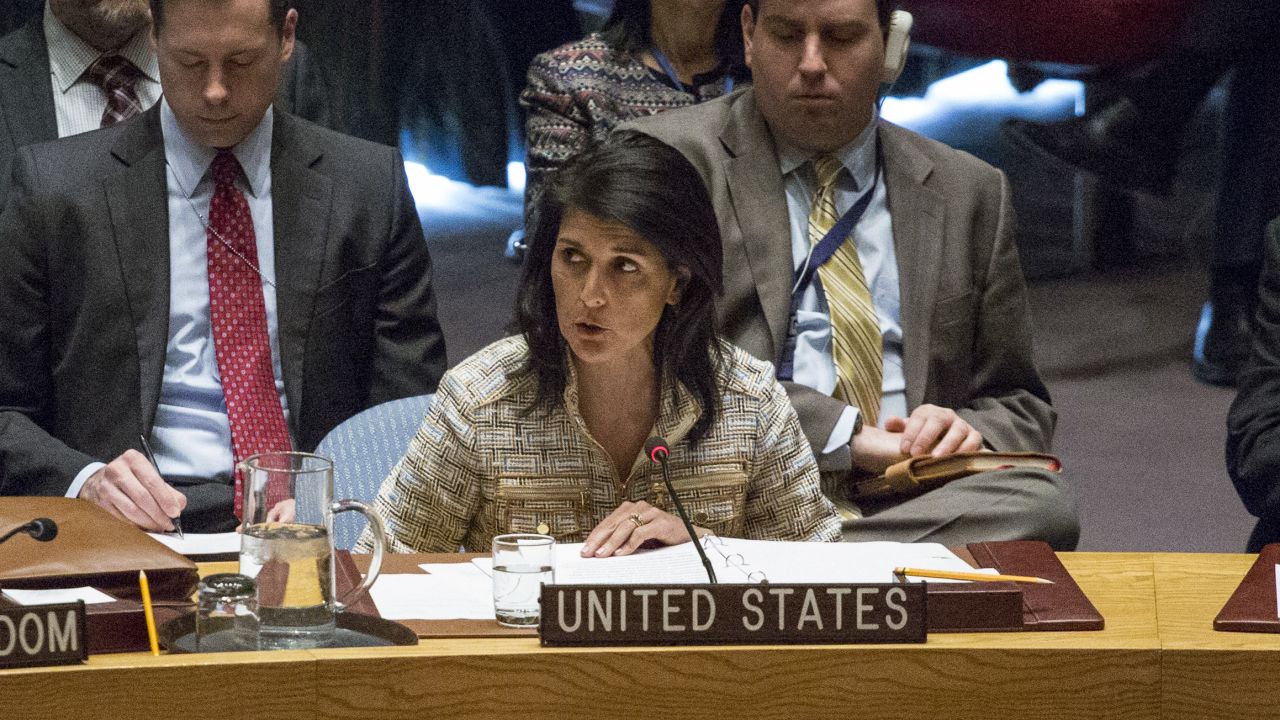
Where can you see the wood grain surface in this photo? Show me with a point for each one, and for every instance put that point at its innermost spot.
(1114, 673)
(137, 685)
(746, 683)
(1209, 674)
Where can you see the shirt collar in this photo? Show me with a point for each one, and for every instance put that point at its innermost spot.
(858, 157)
(70, 56)
(190, 161)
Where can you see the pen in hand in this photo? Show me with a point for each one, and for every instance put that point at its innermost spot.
(151, 458)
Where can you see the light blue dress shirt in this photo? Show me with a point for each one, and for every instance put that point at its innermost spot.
(191, 436)
(814, 364)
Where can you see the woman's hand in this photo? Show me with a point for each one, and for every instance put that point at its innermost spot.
(630, 526)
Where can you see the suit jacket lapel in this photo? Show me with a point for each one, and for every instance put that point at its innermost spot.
(136, 198)
(300, 198)
(28, 92)
(760, 208)
(918, 215)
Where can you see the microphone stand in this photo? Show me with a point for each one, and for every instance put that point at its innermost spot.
(658, 453)
(15, 531)
(41, 529)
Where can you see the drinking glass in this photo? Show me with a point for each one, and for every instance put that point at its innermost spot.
(225, 602)
(521, 565)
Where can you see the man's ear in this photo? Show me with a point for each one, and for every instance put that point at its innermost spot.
(748, 28)
(288, 35)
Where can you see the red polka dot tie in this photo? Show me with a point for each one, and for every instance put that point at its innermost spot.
(238, 317)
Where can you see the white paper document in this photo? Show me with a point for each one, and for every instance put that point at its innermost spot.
(485, 564)
(741, 561)
(434, 597)
(453, 591)
(90, 596)
(463, 570)
(201, 543)
(677, 564)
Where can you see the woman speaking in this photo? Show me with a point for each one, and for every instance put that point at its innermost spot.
(544, 431)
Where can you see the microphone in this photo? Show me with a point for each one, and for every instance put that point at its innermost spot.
(41, 529)
(656, 448)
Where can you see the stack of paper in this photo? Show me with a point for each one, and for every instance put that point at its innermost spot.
(735, 559)
(449, 591)
(465, 590)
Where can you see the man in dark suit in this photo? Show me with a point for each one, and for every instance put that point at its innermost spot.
(920, 342)
(77, 32)
(214, 274)
(1253, 424)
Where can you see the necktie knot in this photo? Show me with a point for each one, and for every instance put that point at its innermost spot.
(828, 169)
(118, 78)
(226, 168)
(112, 72)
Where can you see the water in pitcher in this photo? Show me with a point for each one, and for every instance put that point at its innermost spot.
(291, 563)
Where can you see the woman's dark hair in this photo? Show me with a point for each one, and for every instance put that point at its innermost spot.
(629, 29)
(648, 187)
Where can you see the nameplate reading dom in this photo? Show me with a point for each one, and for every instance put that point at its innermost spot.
(764, 614)
(35, 635)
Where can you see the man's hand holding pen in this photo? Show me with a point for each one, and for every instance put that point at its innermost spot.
(131, 488)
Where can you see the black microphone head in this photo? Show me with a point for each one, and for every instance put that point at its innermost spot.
(656, 448)
(42, 529)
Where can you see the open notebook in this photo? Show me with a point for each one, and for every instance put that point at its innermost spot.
(433, 592)
(748, 561)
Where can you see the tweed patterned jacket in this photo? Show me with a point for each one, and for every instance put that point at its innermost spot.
(481, 465)
(581, 91)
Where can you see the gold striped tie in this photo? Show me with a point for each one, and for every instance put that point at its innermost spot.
(855, 330)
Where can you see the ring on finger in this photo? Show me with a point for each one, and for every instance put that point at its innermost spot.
(638, 521)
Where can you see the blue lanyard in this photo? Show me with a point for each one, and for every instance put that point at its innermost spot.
(670, 70)
(820, 254)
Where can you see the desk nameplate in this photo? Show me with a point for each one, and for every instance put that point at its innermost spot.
(38, 635)
(768, 614)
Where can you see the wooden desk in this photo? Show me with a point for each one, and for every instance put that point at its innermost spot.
(1114, 673)
(1209, 674)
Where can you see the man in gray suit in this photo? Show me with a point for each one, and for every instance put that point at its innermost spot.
(914, 338)
(215, 275)
(48, 87)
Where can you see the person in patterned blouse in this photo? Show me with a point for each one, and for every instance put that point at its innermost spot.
(543, 432)
(651, 56)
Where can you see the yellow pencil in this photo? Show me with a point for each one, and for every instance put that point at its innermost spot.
(954, 575)
(146, 610)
